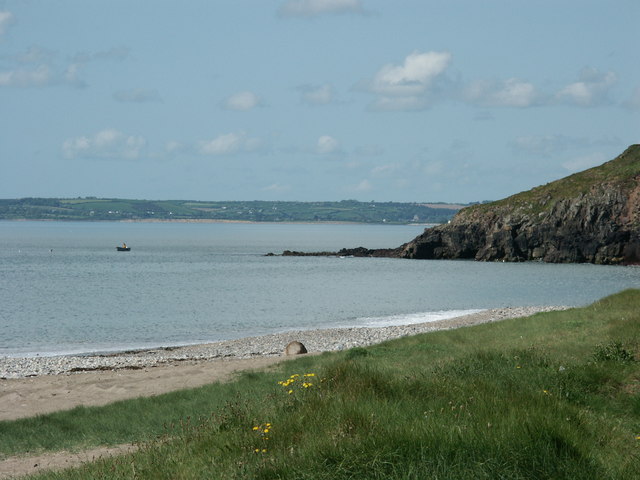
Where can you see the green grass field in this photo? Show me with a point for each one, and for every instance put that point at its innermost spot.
(555, 395)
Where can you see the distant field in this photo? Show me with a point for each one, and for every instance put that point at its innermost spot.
(91, 208)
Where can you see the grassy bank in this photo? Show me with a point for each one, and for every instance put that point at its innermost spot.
(555, 395)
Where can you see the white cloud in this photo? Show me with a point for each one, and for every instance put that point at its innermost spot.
(72, 75)
(384, 170)
(313, 8)
(137, 95)
(228, 144)
(590, 90)
(36, 54)
(38, 77)
(108, 143)
(38, 67)
(408, 86)
(6, 18)
(509, 93)
(327, 145)
(317, 95)
(222, 145)
(364, 186)
(173, 146)
(413, 77)
(586, 161)
(242, 101)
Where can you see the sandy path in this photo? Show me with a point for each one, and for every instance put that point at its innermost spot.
(15, 467)
(26, 397)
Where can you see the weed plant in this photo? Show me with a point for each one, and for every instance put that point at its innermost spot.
(555, 395)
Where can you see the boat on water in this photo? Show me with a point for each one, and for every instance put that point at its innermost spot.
(123, 248)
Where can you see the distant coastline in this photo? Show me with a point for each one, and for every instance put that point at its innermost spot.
(113, 209)
(212, 220)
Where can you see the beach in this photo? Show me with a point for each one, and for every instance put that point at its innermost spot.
(38, 385)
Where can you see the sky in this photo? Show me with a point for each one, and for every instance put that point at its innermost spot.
(312, 100)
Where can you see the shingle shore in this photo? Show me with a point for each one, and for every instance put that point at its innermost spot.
(270, 345)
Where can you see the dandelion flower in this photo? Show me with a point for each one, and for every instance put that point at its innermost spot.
(290, 392)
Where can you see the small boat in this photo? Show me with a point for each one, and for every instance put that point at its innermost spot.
(123, 248)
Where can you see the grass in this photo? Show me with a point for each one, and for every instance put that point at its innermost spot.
(622, 171)
(555, 395)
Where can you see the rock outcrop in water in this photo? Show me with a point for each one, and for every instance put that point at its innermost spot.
(589, 217)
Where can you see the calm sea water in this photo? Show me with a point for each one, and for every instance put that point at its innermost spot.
(65, 289)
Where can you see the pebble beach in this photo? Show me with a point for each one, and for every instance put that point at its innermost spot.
(264, 346)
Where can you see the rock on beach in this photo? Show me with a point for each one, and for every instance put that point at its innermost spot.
(268, 345)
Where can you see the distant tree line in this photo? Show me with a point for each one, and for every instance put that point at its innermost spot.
(92, 208)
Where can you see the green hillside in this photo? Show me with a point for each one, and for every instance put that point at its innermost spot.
(621, 171)
(91, 208)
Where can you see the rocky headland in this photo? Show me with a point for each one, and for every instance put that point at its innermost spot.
(588, 217)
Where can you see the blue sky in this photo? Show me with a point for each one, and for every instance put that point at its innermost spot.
(404, 100)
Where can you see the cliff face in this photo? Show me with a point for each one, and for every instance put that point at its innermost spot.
(592, 216)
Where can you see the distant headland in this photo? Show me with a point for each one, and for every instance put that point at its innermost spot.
(114, 209)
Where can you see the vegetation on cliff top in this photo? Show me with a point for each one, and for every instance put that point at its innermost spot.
(621, 172)
(554, 395)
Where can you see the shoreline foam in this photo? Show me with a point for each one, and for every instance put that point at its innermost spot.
(272, 345)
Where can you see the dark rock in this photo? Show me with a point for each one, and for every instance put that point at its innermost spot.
(590, 217)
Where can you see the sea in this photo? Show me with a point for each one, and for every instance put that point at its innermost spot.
(65, 289)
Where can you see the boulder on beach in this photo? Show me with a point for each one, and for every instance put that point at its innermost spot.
(295, 348)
